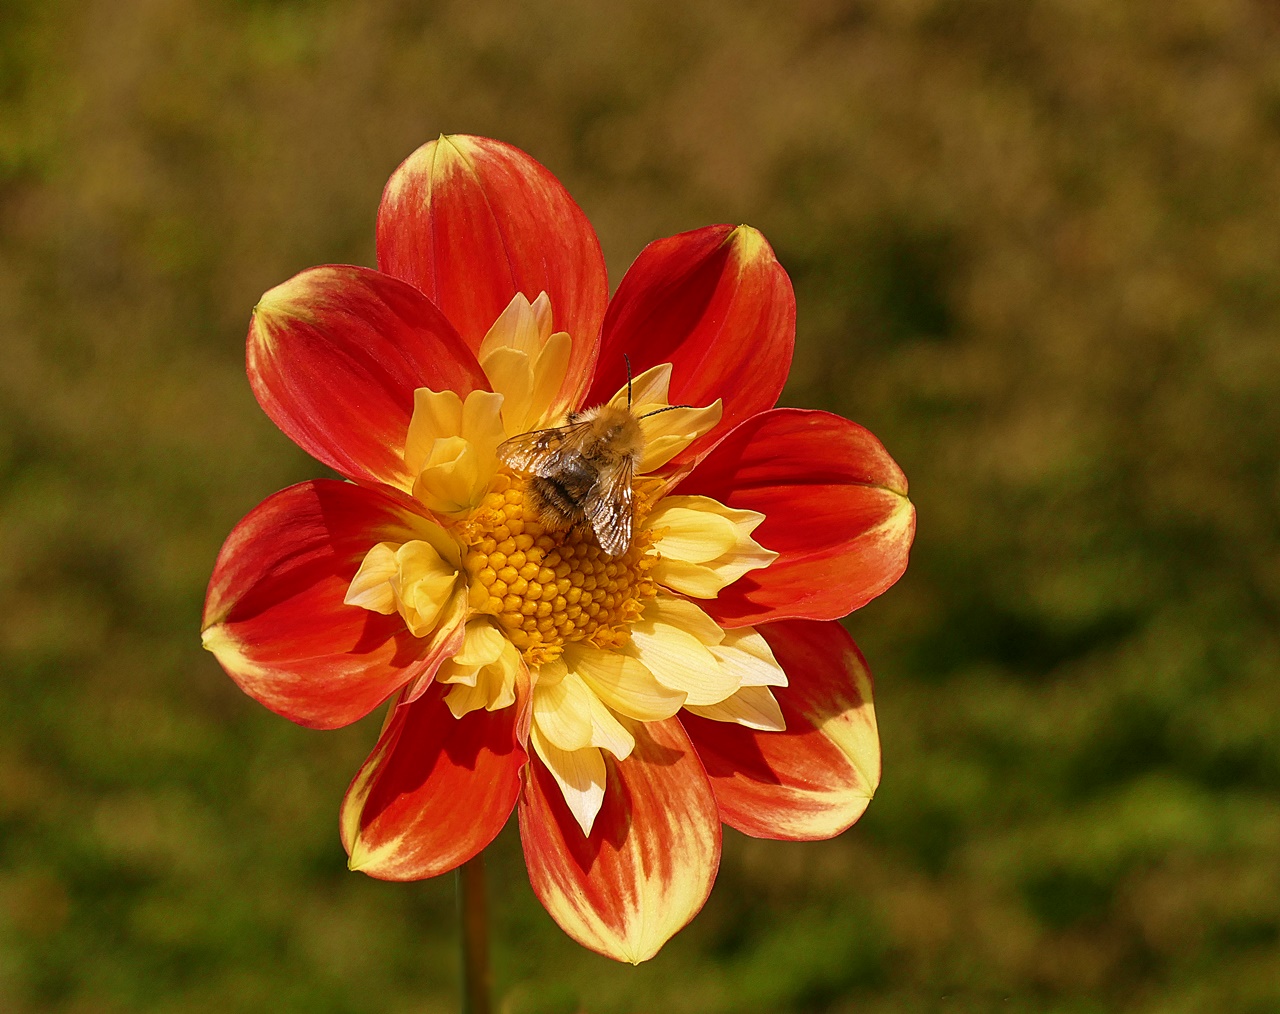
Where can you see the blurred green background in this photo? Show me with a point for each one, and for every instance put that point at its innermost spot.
(1036, 248)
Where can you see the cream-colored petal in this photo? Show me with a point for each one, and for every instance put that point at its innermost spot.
(523, 326)
(551, 673)
(694, 536)
(510, 372)
(648, 391)
(748, 656)
(668, 433)
(423, 586)
(563, 714)
(572, 717)
(436, 414)
(694, 579)
(672, 639)
(680, 661)
(549, 371)
(607, 732)
(688, 535)
(580, 775)
(463, 699)
(482, 426)
(686, 615)
(371, 587)
(483, 644)
(754, 707)
(623, 683)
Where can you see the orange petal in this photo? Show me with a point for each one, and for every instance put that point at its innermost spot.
(471, 222)
(434, 791)
(275, 617)
(717, 305)
(334, 355)
(835, 510)
(815, 778)
(652, 855)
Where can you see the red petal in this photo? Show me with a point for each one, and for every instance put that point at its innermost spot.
(835, 507)
(334, 356)
(434, 791)
(716, 304)
(274, 614)
(471, 222)
(652, 856)
(817, 777)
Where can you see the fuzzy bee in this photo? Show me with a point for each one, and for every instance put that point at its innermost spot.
(582, 471)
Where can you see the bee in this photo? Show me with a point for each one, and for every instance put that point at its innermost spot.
(582, 471)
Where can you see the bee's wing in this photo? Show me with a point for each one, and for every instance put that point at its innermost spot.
(544, 452)
(609, 507)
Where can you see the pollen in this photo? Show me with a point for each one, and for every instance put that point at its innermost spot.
(546, 588)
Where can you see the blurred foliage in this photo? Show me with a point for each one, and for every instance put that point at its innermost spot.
(1035, 245)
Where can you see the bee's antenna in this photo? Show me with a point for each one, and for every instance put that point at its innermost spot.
(627, 358)
(658, 411)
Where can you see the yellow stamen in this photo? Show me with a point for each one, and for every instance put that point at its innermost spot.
(547, 588)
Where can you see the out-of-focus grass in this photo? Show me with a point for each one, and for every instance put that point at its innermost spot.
(1035, 248)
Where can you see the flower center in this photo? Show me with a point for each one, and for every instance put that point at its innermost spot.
(545, 587)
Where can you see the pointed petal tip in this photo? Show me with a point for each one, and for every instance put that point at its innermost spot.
(749, 245)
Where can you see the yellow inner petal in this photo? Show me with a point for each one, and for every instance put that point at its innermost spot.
(704, 546)
(420, 579)
(483, 674)
(580, 775)
(668, 433)
(622, 683)
(526, 363)
(672, 640)
(451, 448)
(572, 717)
(423, 584)
(753, 707)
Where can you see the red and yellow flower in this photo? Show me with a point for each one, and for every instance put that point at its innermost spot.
(624, 706)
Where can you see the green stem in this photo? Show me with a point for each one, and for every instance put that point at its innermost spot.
(473, 915)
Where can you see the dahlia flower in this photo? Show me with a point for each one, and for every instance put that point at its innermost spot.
(625, 706)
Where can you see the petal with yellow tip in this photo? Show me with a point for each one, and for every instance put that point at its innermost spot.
(472, 221)
(647, 865)
(275, 615)
(815, 778)
(835, 509)
(752, 707)
(334, 355)
(434, 791)
(717, 305)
